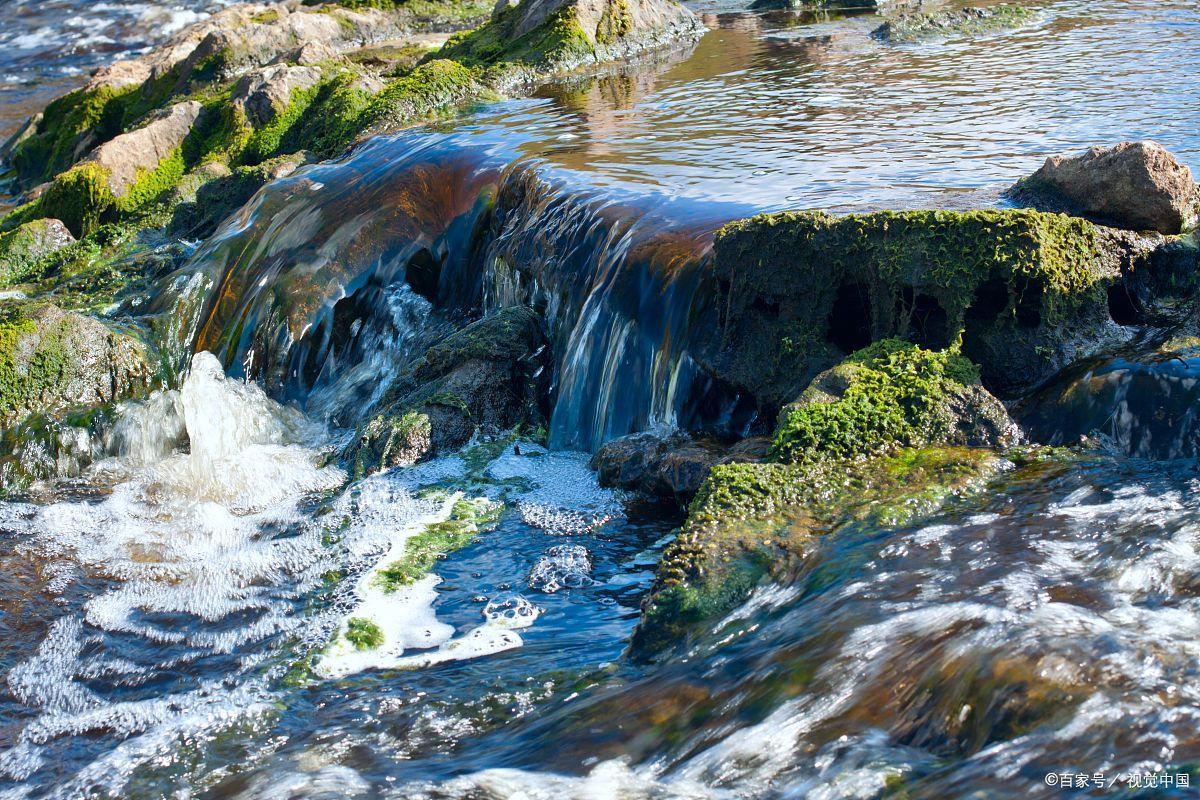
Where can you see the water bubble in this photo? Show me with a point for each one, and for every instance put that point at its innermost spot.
(510, 611)
(564, 566)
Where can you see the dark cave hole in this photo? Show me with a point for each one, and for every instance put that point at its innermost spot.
(1122, 307)
(423, 274)
(927, 323)
(849, 326)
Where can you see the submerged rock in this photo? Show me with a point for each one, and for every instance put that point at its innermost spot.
(53, 361)
(888, 435)
(970, 21)
(836, 5)
(23, 248)
(755, 522)
(1135, 185)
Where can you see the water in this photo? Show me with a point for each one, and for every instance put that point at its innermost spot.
(173, 622)
(48, 47)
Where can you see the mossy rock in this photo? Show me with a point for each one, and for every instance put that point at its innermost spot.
(971, 21)
(53, 361)
(756, 522)
(888, 395)
(1024, 293)
(24, 249)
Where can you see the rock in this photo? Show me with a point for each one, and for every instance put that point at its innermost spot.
(1141, 404)
(221, 192)
(578, 32)
(1026, 290)
(835, 5)
(488, 377)
(666, 467)
(970, 21)
(1134, 185)
(309, 54)
(266, 93)
(21, 249)
(126, 158)
(53, 361)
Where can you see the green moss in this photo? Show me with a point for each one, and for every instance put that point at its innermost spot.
(332, 117)
(26, 379)
(55, 143)
(363, 633)
(894, 396)
(504, 336)
(423, 550)
(80, 197)
(615, 23)
(435, 87)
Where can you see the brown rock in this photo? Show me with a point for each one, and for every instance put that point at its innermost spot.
(1134, 185)
(124, 156)
(266, 92)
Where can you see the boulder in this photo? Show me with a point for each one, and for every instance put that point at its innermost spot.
(1134, 185)
(796, 292)
(128, 157)
(970, 21)
(23, 248)
(53, 361)
(892, 394)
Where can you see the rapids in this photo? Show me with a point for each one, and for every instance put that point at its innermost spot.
(177, 620)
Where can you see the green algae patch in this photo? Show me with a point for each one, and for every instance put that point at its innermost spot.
(58, 137)
(422, 551)
(798, 291)
(893, 393)
(756, 522)
(363, 633)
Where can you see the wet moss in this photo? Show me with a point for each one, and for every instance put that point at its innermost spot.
(560, 40)
(96, 114)
(421, 552)
(895, 395)
(918, 27)
(363, 633)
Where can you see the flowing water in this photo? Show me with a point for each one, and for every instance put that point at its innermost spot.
(176, 622)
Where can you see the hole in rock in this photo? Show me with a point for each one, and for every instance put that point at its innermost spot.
(927, 324)
(850, 318)
(423, 274)
(1122, 307)
(991, 298)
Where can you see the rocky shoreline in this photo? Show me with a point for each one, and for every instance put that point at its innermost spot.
(880, 354)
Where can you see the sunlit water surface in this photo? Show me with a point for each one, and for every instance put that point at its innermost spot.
(158, 617)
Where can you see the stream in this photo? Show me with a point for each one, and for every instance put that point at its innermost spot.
(166, 618)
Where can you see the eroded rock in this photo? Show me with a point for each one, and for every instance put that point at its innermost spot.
(1135, 185)
(486, 378)
(667, 467)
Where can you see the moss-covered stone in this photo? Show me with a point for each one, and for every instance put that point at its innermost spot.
(53, 361)
(891, 394)
(970, 21)
(24, 249)
(1022, 291)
